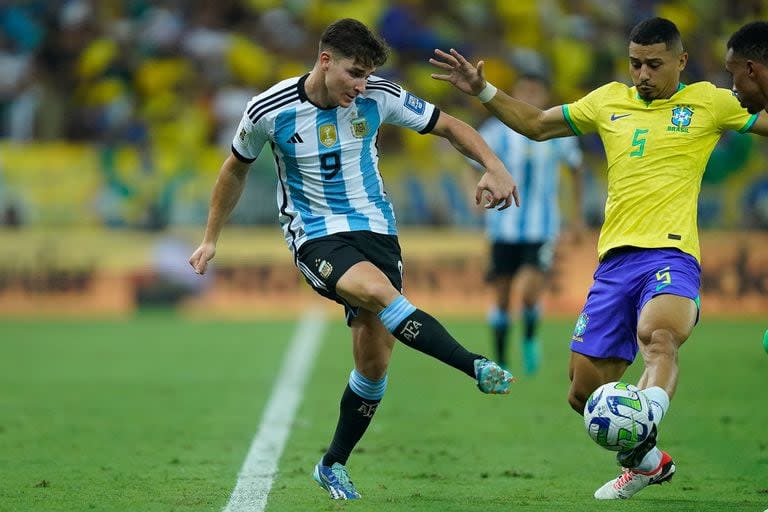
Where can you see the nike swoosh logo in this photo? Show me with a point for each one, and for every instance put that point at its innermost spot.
(618, 116)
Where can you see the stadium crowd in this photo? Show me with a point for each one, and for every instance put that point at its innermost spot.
(176, 74)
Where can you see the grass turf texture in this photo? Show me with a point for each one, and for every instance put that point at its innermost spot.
(157, 414)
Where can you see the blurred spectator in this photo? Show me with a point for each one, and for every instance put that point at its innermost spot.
(166, 79)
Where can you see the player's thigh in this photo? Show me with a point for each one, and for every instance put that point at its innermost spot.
(588, 373)
(365, 285)
(671, 313)
(372, 345)
(670, 298)
(375, 259)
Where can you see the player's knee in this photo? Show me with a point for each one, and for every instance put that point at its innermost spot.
(577, 400)
(379, 293)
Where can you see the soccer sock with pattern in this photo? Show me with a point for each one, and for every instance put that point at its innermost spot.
(358, 404)
(659, 404)
(420, 331)
(530, 323)
(499, 322)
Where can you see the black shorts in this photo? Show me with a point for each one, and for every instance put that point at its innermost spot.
(324, 260)
(507, 258)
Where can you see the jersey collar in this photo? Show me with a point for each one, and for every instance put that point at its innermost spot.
(680, 87)
(303, 93)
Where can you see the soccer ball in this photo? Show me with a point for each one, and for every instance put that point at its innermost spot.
(618, 416)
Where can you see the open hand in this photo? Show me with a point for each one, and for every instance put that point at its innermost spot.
(460, 72)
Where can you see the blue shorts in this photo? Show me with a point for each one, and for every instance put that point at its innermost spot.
(625, 280)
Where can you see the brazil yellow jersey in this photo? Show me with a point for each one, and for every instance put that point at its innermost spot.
(656, 153)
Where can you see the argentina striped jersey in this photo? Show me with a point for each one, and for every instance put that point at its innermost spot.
(327, 159)
(535, 167)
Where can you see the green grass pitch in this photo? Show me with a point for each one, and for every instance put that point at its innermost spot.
(157, 414)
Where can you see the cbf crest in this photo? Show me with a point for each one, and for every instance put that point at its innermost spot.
(681, 118)
(327, 133)
(581, 327)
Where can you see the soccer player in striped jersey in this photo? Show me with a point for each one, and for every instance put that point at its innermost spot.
(523, 239)
(747, 62)
(658, 136)
(338, 221)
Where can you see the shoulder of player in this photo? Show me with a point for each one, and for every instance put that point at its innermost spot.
(272, 99)
(377, 86)
(613, 89)
(706, 88)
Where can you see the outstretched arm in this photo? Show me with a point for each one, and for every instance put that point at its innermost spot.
(496, 183)
(761, 125)
(226, 192)
(526, 119)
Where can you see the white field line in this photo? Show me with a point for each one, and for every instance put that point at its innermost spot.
(260, 466)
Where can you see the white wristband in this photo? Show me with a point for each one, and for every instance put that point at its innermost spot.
(488, 92)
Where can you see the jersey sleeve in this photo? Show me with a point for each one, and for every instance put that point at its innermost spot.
(729, 113)
(402, 108)
(249, 138)
(581, 115)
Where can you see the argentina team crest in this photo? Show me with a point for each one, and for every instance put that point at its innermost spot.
(681, 118)
(360, 127)
(327, 133)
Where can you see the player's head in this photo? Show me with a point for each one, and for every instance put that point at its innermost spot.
(746, 60)
(656, 58)
(349, 53)
(532, 88)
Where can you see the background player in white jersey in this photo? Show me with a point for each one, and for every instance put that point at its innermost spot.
(338, 221)
(523, 239)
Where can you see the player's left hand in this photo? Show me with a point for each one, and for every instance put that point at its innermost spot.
(202, 255)
(461, 73)
(499, 190)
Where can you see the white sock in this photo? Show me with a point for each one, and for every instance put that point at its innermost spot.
(659, 402)
(651, 460)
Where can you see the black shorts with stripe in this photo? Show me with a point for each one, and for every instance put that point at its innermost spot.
(324, 260)
(507, 258)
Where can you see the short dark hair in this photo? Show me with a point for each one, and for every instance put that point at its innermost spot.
(751, 41)
(353, 40)
(655, 31)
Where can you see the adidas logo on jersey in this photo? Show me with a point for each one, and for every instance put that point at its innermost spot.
(295, 139)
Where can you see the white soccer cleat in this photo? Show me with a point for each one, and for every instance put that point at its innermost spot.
(632, 481)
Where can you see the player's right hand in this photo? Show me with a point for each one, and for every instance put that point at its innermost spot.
(461, 73)
(498, 189)
(202, 255)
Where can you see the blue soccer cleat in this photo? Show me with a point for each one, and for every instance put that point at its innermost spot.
(492, 378)
(335, 480)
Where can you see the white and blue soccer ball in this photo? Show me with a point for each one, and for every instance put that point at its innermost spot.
(618, 416)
